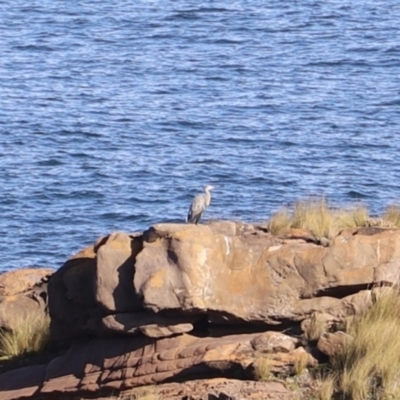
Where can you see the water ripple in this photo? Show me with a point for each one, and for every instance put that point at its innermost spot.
(114, 114)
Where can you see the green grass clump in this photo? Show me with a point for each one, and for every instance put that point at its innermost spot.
(368, 367)
(318, 218)
(30, 335)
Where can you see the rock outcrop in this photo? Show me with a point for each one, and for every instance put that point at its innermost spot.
(94, 283)
(163, 305)
(222, 273)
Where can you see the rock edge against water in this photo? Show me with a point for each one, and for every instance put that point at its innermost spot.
(180, 303)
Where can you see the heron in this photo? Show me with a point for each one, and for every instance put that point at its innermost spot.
(199, 204)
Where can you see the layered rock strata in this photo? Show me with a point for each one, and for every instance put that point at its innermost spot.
(106, 366)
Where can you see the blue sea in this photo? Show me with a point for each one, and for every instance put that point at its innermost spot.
(114, 114)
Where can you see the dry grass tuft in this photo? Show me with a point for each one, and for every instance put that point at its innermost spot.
(318, 218)
(262, 369)
(354, 217)
(144, 393)
(280, 222)
(315, 328)
(368, 366)
(314, 216)
(300, 363)
(31, 335)
(326, 388)
(392, 215)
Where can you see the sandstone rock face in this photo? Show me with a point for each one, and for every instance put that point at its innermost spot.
(95, 282)
(22, 292)
(110, 365)
(198, 268)
(230, 273)
(72, 301)
(114, 274)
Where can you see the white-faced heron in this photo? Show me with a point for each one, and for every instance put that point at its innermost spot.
(199, 204)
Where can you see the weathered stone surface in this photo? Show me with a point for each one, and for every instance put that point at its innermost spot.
(333, 343)
(218, 388)
(23, 293)
(274, 342)
(77, 276)
(157, 331)
(92, 283)
(15, 309)
(119, 364)
(22, 383)
(302, 234)
(21, 280)
(151, 325)
(72, 299)
(192, 267)
(114, 273)
(189, 267)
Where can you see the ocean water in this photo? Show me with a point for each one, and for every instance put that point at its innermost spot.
(113, 114)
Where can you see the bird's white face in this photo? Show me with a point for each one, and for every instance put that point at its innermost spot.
(209, 187)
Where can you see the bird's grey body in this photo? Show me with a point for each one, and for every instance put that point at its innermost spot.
(199, 204)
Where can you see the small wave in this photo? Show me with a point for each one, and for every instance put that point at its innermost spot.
(288, 143)
(79, 155)
(160, 36)
(208, 161)
(183, 15)
(354, 194)
(52, 162)
(391, 103)
(205, 10)
(78, 194)
(333, 63)
(34, 48)
(393, 50)
(216, 78)
(213, 10)
(228, 41)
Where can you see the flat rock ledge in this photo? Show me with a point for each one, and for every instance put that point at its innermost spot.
(181, 303)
